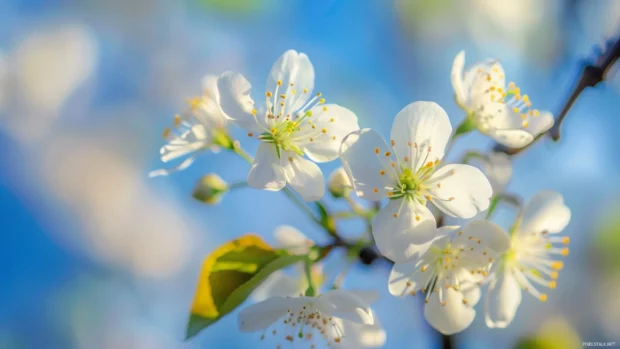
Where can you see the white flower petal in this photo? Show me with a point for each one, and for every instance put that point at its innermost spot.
(180, 167)
(502, 300)
(401, 227)
(514, 138)
(332, 123)
(471, 293)
(358, 336)
(405, 278)
(260, 316)
(541, 123)
(304, 176)
(420, 126)
(474, 71)
(486, 76)
(292, 239)
(545, 212)
(457, 78)
(176, 150)
(367, 296)
(278, 284)
(484, 235)
(463, 190)
(235, 101)
(364, 166)
(292, 68)
(209, 87)
(266, 171)
(345, 305)
(453, 317)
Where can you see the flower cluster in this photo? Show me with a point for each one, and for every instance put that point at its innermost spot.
(408, 194)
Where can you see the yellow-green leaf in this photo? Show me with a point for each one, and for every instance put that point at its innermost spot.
(229, 275)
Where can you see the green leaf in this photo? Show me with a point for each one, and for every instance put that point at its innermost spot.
(228, 277)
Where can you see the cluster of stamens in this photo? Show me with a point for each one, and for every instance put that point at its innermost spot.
(287, 125)
(519, 104)
(302, 325)
(187, 120)
(443, 266)
(532, 260)
(407, 183)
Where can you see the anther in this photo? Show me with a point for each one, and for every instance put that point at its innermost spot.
(279, 82)
(543, 297)
(387, 153)
(250, 134)
(376, 150)
(269, 94)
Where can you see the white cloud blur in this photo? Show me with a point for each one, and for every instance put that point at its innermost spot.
(122, 222)
(44, 70)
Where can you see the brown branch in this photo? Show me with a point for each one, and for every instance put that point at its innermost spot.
(591, 75)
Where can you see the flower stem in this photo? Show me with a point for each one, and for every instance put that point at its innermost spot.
(237, 185)
(302, 205)
(247, 157)
(310, 291)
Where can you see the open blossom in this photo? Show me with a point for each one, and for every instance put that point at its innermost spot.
(194, 131)
(531, 259)
(498, 111)
(294, 123)
(448, 273)
(408, 173)
(307, 319)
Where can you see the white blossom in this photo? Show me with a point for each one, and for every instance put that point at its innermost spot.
(531, 259)
(305, 319)
(408, 173)
(194, 131)
(498, 111)
(449, 271)
(294, 123)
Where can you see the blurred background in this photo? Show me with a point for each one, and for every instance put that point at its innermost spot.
(96, 255)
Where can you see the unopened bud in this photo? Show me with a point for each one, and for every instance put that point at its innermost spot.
(210, 189)
(338, 183)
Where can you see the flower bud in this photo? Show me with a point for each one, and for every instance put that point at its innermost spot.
(339, 183)
(210, 189)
